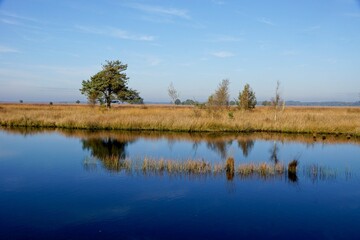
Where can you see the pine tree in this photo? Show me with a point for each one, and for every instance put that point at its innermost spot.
(247, 99)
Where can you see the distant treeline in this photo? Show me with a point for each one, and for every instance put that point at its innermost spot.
(287, 103)
(330, 103)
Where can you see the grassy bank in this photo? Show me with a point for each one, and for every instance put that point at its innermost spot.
(315, 120)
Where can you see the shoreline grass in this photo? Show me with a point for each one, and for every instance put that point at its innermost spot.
(319, 121)
(196, 137)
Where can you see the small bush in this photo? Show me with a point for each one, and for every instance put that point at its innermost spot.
(177, 102)
(292, 166)
(247, 99)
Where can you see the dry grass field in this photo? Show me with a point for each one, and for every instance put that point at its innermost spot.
(314, 120)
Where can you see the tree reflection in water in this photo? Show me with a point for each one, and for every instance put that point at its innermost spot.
(220, 147)
(246, 146)
(274, 153)
(110, 152)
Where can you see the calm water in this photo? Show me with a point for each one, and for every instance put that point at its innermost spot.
(62, 185)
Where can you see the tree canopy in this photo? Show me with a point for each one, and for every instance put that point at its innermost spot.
(221, 95)
(110, 84)
(173, 93)
(247, 99)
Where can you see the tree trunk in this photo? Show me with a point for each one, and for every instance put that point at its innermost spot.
(108, 99)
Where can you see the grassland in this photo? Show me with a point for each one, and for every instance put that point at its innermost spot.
(315, 120)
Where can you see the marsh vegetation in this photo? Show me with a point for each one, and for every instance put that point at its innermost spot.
(313, 120)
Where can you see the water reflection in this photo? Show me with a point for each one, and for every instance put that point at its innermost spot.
(115, 151)
(111, 152)
(26, 131)
(220, 146)
(246, 145)
(274, 153)
(230, 168)
(292, 176)
(195, 138)
(320, 173)
(44, 191)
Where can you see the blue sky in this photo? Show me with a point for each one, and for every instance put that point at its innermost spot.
(47, 47)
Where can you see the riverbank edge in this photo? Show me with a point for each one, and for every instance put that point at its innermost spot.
(314, 134)
(317, 122)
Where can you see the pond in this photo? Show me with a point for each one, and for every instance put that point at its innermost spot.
(79, 185)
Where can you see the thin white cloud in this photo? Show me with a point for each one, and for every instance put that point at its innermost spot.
(67, 71)
(226, 38)
(4, 49)
(9, 21)
(21, 21)
(266, 21)
(153, 61)
(264, 44)
(118, 33)
(20, 24)
(352, 15)
(331, 60)
(223, 54)
(148, 60)
(8, 76)
(16, 16)
(290, 53)
(312, 28)
(32, 72)
(91, 30)
(115, 32)
(175, 12)
(218, 2)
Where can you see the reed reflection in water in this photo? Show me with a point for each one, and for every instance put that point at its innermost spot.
(73, 184)
(111, 150)
(111, 153)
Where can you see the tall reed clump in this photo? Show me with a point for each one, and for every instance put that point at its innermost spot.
(172, 166)
(201, 167)
(261, 169)
(292, 166)
(230, 168)
(194, 167)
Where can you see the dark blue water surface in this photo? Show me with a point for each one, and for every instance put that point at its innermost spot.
(61, 185)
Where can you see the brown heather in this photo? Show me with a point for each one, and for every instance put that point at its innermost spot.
(315, 120)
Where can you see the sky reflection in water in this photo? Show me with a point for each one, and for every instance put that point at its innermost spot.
(48, 188)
